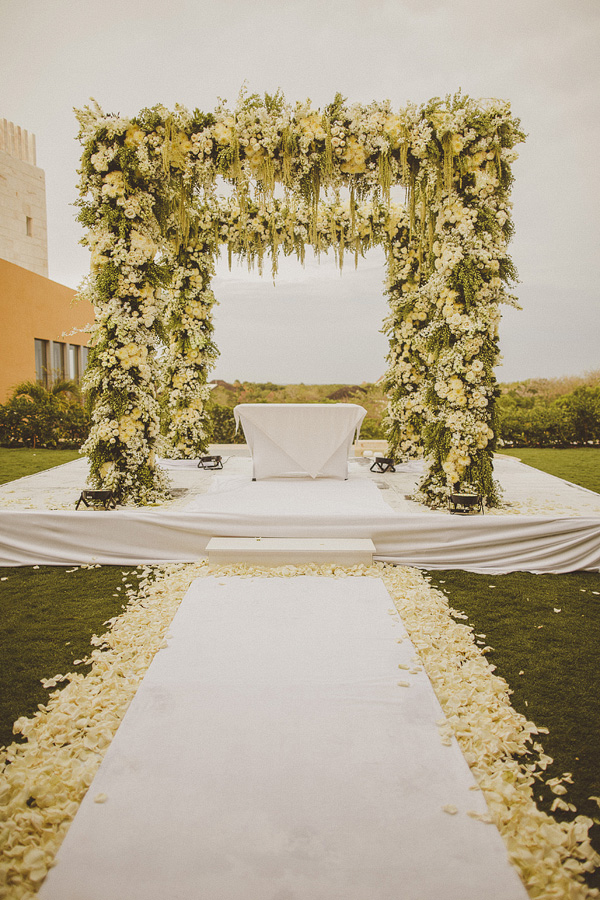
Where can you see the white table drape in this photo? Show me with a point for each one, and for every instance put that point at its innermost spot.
(300, 438)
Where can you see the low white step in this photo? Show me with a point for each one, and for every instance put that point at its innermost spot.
(290, 551)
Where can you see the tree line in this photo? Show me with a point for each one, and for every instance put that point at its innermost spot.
(561, 412)
(534, 413)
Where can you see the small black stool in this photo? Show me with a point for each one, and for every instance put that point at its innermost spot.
(465, 503)
(106, 498)
(210, 462)
(383, 464)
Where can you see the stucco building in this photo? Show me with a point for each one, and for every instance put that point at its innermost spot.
(37, 316)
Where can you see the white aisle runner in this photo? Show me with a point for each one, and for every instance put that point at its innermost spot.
(270, 754)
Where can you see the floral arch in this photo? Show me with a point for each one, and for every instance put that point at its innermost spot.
(155, 217)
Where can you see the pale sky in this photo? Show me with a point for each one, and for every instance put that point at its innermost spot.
(316, 326)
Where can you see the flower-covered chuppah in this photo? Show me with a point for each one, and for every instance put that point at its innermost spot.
(300, 176)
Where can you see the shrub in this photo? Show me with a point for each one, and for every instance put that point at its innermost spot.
(533, 420)
(37, 417)
(372, 430)
(223, 426)
(582, 409)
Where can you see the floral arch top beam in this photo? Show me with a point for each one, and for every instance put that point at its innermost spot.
(150, 199)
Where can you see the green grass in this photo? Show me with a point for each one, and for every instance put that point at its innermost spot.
(15, 463)
(48, 618)
(558, 654)
(580, 465)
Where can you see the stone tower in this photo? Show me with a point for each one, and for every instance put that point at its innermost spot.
(23, 228)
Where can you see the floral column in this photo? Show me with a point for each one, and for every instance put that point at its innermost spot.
(191, 351)
(405, 380)
(470, 271)
(122, 373)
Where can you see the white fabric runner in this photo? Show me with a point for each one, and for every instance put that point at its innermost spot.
(270, 754)
(313, 438)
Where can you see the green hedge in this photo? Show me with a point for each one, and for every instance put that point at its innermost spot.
(570, 420)
(223, 426)
(37, 417)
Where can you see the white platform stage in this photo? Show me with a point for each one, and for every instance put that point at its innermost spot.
(278, 749)
(549, 525)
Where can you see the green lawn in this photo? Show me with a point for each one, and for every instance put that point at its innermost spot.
(48, 618)
(580, 465)
(15, 463)
(557, 654)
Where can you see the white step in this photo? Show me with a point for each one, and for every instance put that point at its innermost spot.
(290, 551)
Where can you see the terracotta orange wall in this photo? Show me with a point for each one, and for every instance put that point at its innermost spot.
(32, 306)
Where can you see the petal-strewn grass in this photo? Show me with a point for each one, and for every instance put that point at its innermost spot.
(542, 632)
(44, 779)
(48, 616)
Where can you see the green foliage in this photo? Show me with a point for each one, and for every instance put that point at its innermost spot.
(275, 102)
(467, 280)
(508, 271)
(372, 430)
(486, 220)
(223, 426)
(37, 417)
(87, 216)
(150, 118)
(480, 473)
(440, 339)
(438, 436)
(29, 422)
(201, 120)
(127, 160)
(582, 409)
(74, 425)
(542, 425)
(532, 417)
(107, 281)
(336, 109)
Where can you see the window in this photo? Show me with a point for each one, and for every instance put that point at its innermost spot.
(84, 359)
(74, 367)
(29, 226)
(41, 361)
(58, 361)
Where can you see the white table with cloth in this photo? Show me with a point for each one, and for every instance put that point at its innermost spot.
(300, 438)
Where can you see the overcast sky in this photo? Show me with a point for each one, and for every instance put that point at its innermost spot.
(315, 325)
